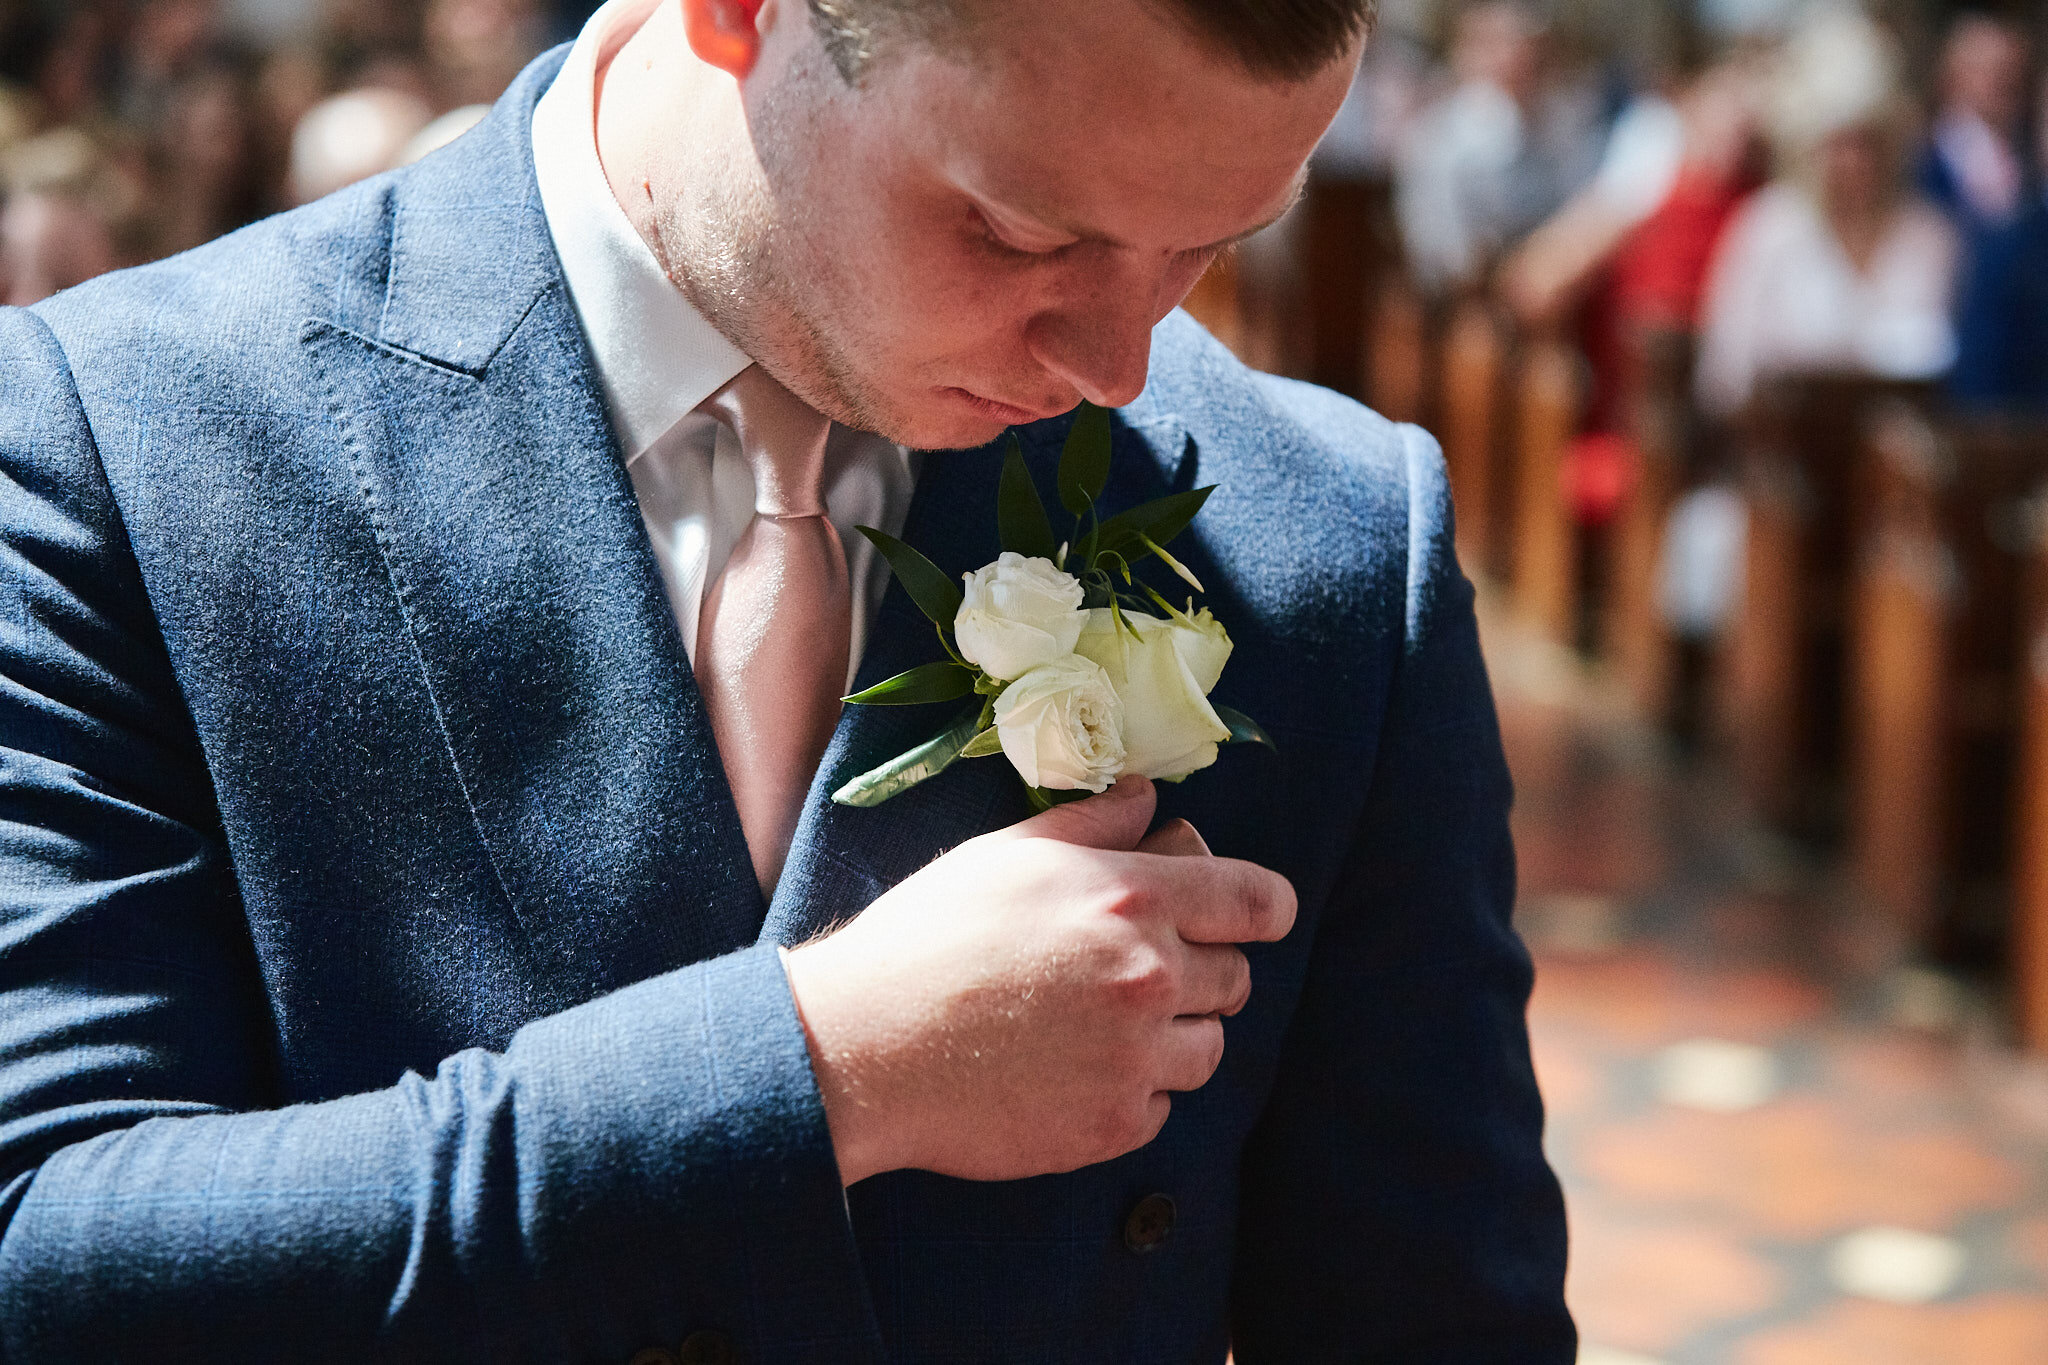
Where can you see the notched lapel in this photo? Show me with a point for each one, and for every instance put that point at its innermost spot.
(455, 371)
(514, 542)
(843, 858)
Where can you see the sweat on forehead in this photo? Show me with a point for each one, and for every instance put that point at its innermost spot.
(1275, 39)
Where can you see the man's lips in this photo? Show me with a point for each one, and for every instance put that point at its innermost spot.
(1007, 413)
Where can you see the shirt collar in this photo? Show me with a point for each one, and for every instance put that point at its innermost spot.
(656, 356)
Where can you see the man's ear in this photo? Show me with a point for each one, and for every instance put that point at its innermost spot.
(724, 33)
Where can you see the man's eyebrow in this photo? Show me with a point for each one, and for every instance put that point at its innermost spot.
(1235, 239)
(1300, 188)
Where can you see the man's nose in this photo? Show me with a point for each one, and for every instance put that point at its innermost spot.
(1100, 343)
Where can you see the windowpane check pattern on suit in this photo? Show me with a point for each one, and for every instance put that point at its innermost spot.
(383, 971)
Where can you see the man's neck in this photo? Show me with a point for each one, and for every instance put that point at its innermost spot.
(659, 114)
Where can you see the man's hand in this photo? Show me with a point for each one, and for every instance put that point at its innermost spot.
(1026, 1004)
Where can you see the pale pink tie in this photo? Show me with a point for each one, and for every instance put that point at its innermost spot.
(773, 637)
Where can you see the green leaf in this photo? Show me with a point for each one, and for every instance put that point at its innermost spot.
(936, 595)
(1084, 462)
(925, 683)
(1243, 729)
(905, 771)
(1021, 522)
(1158, 521)
(1043, 800)
(987, 744)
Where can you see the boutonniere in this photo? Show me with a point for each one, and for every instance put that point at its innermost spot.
(1083, 671)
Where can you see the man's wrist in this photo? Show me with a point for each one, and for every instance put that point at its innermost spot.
(855, 1121)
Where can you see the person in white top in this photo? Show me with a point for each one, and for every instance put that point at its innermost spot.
(1836, 266)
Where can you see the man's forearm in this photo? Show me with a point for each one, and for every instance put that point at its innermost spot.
(643, 1164)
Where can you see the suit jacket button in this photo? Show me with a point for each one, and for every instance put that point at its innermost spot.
(1149, 1224)
(653, 1355)
(707, 1348)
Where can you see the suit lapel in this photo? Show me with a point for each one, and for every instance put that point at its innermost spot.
(843, 858)
(511, 533)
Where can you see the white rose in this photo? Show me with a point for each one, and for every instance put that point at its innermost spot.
(1018, 613)
(1062, 726)
(1164, 678)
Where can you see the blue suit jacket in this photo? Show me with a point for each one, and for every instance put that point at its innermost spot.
(381, 971)
(2002, 320)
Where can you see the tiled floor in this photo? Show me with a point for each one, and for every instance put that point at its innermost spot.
(1770, 1160)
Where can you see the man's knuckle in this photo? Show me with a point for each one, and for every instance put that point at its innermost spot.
(1241, 982)
(1135, 897)
(1158, 1109)
(1118, 1128)
(1146, 979)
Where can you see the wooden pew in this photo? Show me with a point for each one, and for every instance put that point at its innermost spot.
(1935, 676)
(1216, 302)
(1300, 299)
(1348, 245)
(1399, 367)
(1634, 638)
(1507, 408)
(1472, 421)
(1783, 681)
(1549, 397)
(2029, 843)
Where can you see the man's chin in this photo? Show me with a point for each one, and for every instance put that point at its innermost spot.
(941, 424)
(957, 436)
(956, 419)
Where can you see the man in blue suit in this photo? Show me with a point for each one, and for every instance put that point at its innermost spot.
(389, 967)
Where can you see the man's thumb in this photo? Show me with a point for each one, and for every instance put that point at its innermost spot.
(1117, 819)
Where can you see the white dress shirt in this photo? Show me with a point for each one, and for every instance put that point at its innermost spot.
(657, 358)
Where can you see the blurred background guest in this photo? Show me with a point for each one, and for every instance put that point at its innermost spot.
(1498, 152)
(1680, 160)
(1396, 79)
(70, 209)
(475, 47)
(204, 175)
(1569, 237)
(352, 136)
(1976, 164)
(2002, 322)
(1838, 264)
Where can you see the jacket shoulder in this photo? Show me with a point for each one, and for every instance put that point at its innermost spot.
(1366, 488)
(219, 325)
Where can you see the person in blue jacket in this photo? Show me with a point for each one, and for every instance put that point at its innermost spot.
(1976, 167)
(390, 968)
(2002, 324)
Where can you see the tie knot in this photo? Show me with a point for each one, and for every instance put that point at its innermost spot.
(782, 438)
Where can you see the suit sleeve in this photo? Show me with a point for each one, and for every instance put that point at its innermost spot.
(649, 1164)
(1396, 1202)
